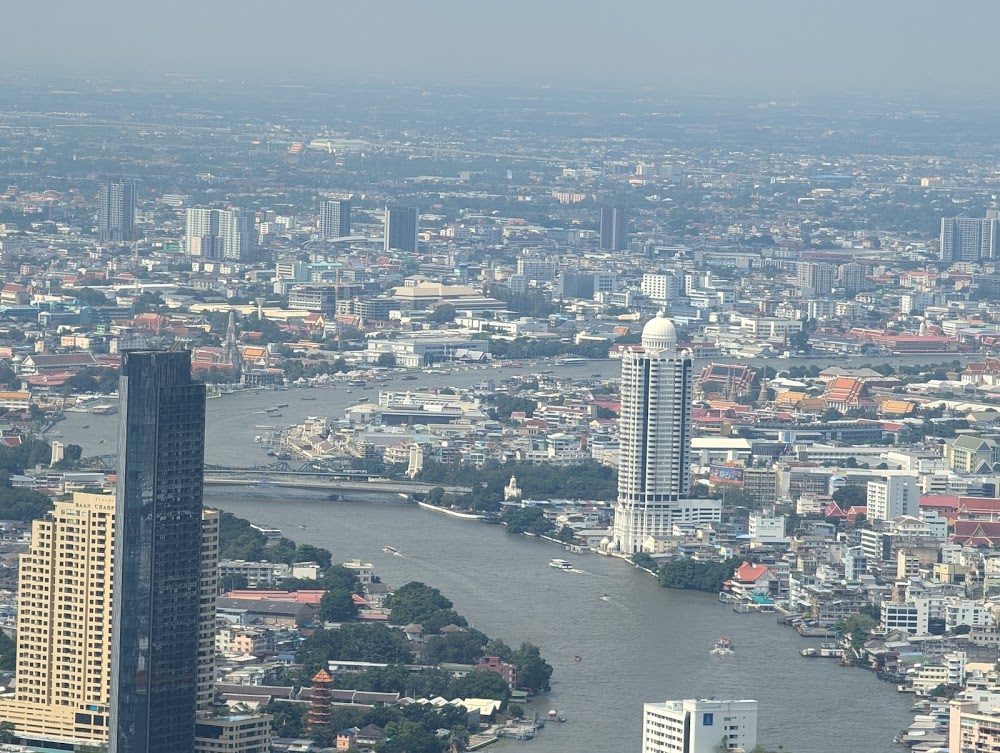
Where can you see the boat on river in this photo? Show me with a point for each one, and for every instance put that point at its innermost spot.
(723, 646)
(561, 564)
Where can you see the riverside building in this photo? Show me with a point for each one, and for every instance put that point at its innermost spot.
(654, 437)
(158, 555)
(699, 726)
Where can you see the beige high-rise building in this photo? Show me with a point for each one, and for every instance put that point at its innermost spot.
(63, 674)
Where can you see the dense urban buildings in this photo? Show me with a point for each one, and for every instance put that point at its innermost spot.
(401, 227)
(158, 554)
(335, 218)
(116, 211)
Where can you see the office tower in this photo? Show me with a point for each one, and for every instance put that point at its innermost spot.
(335, 218)
(699, 726)
(64, 624)
(969, 238)
(614, 229)
(815, 278)
(158, 554)
(654, 436)
(219, 234)
(401, 226)
(116, 211)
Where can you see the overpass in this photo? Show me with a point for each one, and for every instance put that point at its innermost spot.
(335, 483)
(307, 476)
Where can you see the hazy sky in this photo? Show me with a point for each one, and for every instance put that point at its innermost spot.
(773, 47)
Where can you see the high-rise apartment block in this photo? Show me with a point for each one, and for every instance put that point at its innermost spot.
(815, 278)
(699, 726)
(116, 211)
(158, 582)
(219, 234)
(661, 289)
(969, 238)
(401, 227)
(335, 218)
(64, 625)
(654, 438)
(853, 278)
(614, 229)
(896, 494)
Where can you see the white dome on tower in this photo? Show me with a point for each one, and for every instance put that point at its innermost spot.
(659, 333)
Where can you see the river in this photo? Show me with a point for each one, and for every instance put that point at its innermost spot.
(644, 644)
(232, 419)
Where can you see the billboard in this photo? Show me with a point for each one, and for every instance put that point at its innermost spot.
(725, 474)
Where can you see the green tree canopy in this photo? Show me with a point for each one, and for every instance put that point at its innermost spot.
(415, 602)
(337, 605)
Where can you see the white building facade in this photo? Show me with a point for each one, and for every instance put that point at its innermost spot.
(699, 726)
(893, 496)
(654, 438)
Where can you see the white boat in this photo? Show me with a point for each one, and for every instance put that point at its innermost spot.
(723, 646)
(561, 564)
(389, 549)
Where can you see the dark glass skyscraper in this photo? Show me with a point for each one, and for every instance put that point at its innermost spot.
(161, 446)
(401, 227)
(116, 211)
(614, 229)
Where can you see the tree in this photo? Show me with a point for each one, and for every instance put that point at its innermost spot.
(232, 582)
(480, 684)
(415, 602)
(830, 414)
(386, 361)
(456, 648)
(443, 314)
(644, 560)
(858, 628)
(6, 733)
(697, 576)
(435, 496)
(851, 496)
(711, 387)
(442, 618)
(409, 737)
(533, 672)
(526, 520)
(961, 630)
(337, 605)
(288, 719)
(8, 652)
(566, 534)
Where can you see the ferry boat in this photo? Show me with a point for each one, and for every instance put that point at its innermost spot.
(561, 564)
(389, 549)
(723, 646)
